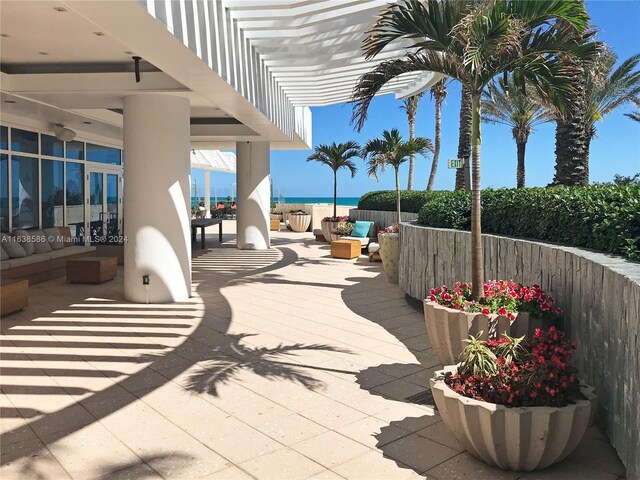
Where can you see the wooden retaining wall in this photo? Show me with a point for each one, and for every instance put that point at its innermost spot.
(381, 219)
(599, 293)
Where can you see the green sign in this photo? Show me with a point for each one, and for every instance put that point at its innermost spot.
(456, 162)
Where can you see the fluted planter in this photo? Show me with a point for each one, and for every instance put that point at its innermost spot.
(299, 222)
(390, 254)
(326, 231)
(518, 439)
(448, 328)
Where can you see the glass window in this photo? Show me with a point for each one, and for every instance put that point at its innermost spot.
(52, 193)
(75, 198)
(4, 138)
(51, 146)
(102, 154)
(75, 150)
(4, 192)
(24, 192)
(24, 141)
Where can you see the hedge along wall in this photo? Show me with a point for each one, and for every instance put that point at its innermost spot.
(599, 293)
(381, 219)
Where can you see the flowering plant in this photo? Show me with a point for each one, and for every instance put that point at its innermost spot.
(500, 296)
(518, 373)
(298, 212)
(344, 228)
(344, 218)
(391, 229)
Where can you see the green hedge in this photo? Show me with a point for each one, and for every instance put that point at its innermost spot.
(600, 217)
(385, 200)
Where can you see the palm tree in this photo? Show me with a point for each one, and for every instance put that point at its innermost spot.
(463, 175)
(337, 156)
(607, 89)
(392, 150)
(473, 44)
(508, 104)
(635, 116)
(438, 93)
(410, 106)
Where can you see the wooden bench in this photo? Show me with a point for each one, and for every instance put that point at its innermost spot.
(14, 296)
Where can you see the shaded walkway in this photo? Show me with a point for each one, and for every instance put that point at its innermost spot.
(285, 364)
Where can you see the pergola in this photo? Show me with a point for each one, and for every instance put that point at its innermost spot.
(216, 74)
(212, 161)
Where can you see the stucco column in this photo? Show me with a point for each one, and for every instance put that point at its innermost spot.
(252, 171)
(157, 209)
(207, 193)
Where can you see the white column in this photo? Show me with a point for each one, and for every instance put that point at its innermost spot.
(207, 193)
(252, 172)
(157, 209)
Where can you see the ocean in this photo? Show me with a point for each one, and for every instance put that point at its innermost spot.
(342, 201)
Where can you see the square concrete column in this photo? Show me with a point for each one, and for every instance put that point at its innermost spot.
(252, 171)
(157, 204)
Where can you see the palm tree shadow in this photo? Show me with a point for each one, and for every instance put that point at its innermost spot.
(229, 359)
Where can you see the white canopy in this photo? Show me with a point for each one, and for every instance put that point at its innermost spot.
(213, 161)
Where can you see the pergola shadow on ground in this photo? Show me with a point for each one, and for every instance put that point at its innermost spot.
(285, 364)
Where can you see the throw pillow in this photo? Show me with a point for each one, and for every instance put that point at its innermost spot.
(55, 238)
(41, 243)
(361, 229)
(26, 241)
(12, 247)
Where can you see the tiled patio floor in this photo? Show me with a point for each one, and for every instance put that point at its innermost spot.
(286, 364)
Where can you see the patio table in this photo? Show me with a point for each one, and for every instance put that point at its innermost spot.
(203, 223)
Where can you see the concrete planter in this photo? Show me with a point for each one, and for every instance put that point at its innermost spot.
(518, 439)
(326, 231)
(390, 254)
(299, 222)
(448, 328)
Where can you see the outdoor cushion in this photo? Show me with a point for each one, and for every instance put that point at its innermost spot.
(69, 251)
(364, 241)
(12, 247)
(26, 241)
(361, 229)
(41, 246)
(54, 237)
(374, 247)
(5, 255)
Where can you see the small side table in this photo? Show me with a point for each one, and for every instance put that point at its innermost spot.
(92, 269)
(14, 297)
(346, 249)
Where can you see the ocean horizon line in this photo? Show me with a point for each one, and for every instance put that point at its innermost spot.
(341, 201)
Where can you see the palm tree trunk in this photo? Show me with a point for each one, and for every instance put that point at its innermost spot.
(522, 146)
(477, 260)
(397, 196)
(335, 193)
(464, 141)
(436, 147)
(412, 157)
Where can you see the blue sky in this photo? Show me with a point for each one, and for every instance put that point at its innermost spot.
(615, 150)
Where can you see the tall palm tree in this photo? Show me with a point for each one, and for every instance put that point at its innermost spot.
(392, 150)
(337, 156)
(410, 106)
(463, 175)
(607, 89)
(438, 93)
(473, 44)
(508, 104)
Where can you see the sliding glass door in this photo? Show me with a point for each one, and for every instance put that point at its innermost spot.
(104, 212)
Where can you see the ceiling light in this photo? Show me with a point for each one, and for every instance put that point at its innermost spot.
(98, 34)
(87, 123)
(128, 52)
(60, 9)
(43, 53)
(9, 101)
(4, 35)
(62, 133)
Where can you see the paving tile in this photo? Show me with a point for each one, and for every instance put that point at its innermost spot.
(291, 429)
(400, 389)
(326, 475)
(281, 464)
(229, 473)
(466, 467)
(330, 449)
(568, 470)
(438, 432)
(332, 414)
(372, 465)
(30, 460)
(597, 454)
(372, 432)
(418, 452)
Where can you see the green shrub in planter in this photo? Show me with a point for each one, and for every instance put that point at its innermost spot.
(385, 200)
